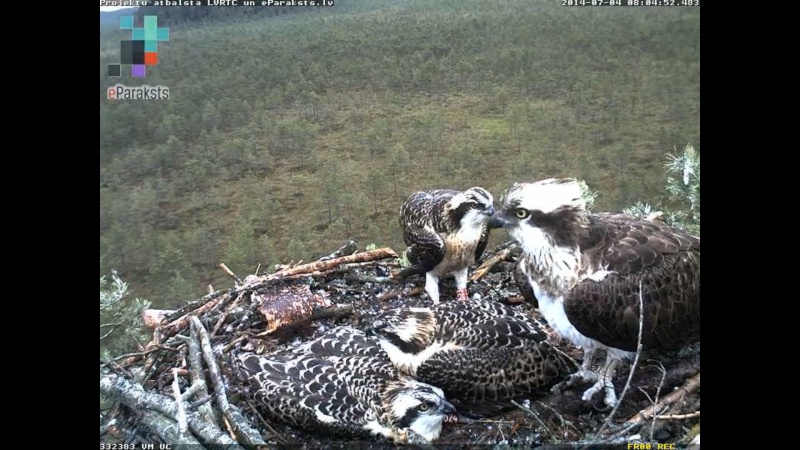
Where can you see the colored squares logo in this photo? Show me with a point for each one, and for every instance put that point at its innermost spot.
(142, 49)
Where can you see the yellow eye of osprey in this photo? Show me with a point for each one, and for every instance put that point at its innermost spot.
(423, 407)
(522, 213)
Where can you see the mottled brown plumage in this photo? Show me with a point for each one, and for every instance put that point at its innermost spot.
(585, 271)
(344, 384)
(483, 354)
(446, 231)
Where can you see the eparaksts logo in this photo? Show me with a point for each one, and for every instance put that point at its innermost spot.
(120, 92)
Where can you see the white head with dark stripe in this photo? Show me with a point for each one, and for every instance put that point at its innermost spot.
(470, 208)
(420, 407)
(547, 213)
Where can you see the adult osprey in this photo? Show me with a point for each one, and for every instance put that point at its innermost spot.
(446, 231)
(482, 354)
(344, 384)
(585, 270)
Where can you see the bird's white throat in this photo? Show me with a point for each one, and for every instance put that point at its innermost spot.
(472, 225)
(561, 265)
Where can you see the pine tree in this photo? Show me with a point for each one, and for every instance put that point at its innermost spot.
(681, 208)
(120, 318)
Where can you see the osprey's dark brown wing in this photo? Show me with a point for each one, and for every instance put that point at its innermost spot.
(501, 354)
(340, 341)
(421, 218)
(315, 394)
(485, 324)
(483, 382)
(666, 261)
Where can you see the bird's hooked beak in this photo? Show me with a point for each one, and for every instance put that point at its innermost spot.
(490, 210)
(448, 408)
(497, 220)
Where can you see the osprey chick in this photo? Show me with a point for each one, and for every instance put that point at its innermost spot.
(585, 271)
(446, 231)
(482, 354)
(346, 391)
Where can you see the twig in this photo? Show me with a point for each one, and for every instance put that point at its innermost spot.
(164, 427)
(318, 266)
(202, 401)
(277, 437)
(183, 424)
(564, 422)
(132, 355)
(658, 392)
(691, 385)
(116, 367)
(332, 312)
(225, 314)
(196, 387)
(489, 263)
(678, 416)
(249, 435)
(196, 375)
(108, 333)
(412, 292)
(633, 366)
(133, 395)
(233, 343)
(230, 273)
(181, 323)
(538, 419)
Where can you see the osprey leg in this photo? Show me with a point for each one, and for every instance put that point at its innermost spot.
(605, 382)
(432, 286)
(585, 374)
(461, 284)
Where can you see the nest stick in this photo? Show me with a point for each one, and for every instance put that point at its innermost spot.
(164, 427)
(320, 266)
(679, 416)
(234, 417)
(633, 366)
(196, 372)
(134, 396)
(691, 385)
(538, 419)
(230, 273)
(489, 263)
(183, 424)
(398, 293)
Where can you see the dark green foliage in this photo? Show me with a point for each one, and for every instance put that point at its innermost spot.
(310, 128)
(120, 318)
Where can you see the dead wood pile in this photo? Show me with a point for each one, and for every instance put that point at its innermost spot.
(182, 388)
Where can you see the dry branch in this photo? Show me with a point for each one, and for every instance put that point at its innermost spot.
(490, 262)
(334, 312)
(633, 366)
(134, 396)
(246, 433)
(691, 385)
(183, 425)
(320, 266)
(412, 292)
(167, 431)
(230, 273)
(182, 322)
(195, 304)
(679, 416)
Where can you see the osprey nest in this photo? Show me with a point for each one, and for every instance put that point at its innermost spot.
(185, 387)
